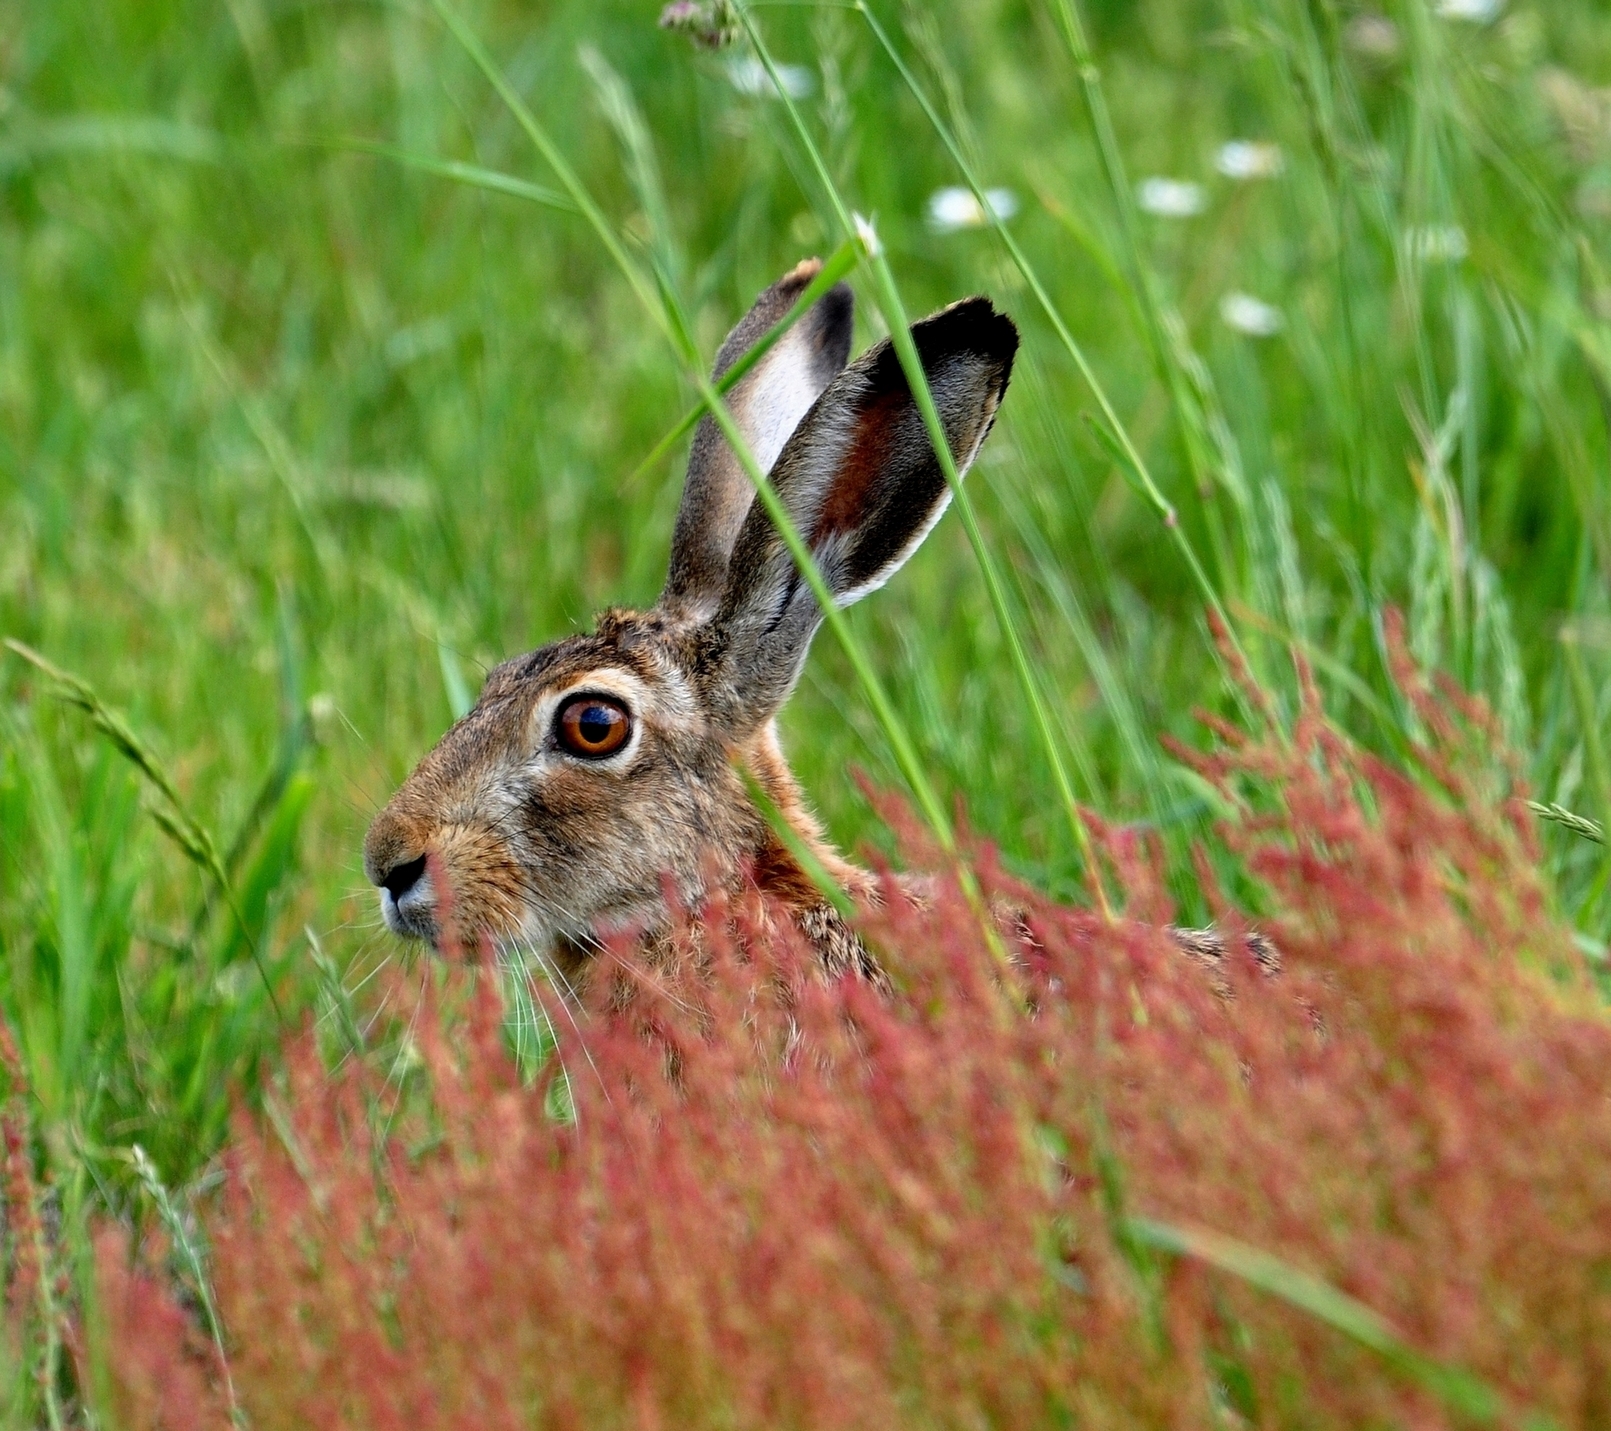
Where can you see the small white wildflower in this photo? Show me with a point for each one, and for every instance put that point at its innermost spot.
(867, 236)
(1249, 159)
(1171, 198)
(1250, 315)
(1479, 12)
(1374, 36)
(321, 709)
(1439, 243)
(748, 76)
(958, 208)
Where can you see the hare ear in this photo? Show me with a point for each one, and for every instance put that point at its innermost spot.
(767, 404)
(863, 485)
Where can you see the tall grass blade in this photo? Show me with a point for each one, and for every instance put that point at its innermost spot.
(896, 320)
(171, 815)
(474, 175)
(802, 853)
(1459, 1390)
(894, 730)
(191, 1258)
(1136, 462)
(1006, 621)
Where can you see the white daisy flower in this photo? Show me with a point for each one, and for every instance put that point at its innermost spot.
(1171, 198)
(1244, 159)
(1250, 315)
(1374, 36)
(1479, 12)
(1439, 243)
(956, 208)
(748, 76)
(868, 236)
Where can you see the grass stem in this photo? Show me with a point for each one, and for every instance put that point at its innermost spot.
(653, 301)
(895, 320)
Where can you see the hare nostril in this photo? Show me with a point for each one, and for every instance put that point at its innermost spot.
(402, 878)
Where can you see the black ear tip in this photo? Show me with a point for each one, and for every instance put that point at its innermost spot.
(972, 325)
(836, 311)
(832, 316)
(839, 302)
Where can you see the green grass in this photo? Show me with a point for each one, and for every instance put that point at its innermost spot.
(297, 438)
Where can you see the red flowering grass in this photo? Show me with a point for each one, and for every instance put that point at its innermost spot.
(790, 1203)
(36, 1326)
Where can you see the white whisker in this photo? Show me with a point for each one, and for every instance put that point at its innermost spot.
(397, 1063)
(556, 977)
(647, 975)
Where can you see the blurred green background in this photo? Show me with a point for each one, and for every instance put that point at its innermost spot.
(296, 440)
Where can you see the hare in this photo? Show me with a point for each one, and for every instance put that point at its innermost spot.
(595, 770)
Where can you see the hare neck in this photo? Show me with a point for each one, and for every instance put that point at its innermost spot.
(776, 869)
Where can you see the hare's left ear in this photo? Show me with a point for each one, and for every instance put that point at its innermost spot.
(863, 485)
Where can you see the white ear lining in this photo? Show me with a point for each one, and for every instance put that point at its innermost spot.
(835, 437)
(776, 396)
(811, 487)
(767, 407)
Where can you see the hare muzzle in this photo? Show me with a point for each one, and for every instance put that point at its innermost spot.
(457, 880)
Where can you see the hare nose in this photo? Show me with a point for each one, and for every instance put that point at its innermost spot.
(399, 879)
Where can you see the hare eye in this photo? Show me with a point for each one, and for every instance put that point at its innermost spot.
(593, 726)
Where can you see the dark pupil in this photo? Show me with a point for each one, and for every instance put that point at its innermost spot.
(596, 725)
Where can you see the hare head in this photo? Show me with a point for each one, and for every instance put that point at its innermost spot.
(597, 775)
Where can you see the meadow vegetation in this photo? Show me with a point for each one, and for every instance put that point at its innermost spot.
(321, 391)
(1111, 1188)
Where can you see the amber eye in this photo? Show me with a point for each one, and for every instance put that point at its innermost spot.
(593, 726)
